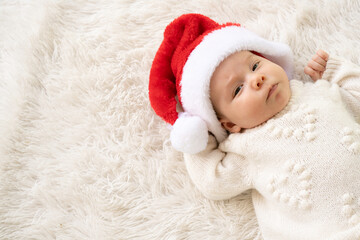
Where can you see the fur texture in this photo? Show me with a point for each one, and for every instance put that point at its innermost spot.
(82, 155)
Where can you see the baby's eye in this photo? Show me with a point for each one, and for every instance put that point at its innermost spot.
(255, 66)
(237, 90)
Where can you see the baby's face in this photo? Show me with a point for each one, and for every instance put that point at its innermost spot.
(247, 90)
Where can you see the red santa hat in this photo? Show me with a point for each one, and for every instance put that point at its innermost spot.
(193, 46)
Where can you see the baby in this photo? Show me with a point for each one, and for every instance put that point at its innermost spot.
(246, 89)
(295, 145)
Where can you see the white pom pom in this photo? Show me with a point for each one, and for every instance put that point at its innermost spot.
(189, 134)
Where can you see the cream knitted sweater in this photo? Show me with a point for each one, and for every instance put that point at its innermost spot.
(303, 165)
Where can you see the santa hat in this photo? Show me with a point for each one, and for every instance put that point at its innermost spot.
(193, 46)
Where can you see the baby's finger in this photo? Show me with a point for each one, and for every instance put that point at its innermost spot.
(318, 59)
(312, 73)
(316, 66)
(309, 71)
(324, 55)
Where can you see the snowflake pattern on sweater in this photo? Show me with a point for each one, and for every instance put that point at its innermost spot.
(303, 165)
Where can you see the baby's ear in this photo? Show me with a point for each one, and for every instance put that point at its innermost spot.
(230, 126)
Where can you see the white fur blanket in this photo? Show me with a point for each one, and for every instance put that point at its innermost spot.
(82, 155)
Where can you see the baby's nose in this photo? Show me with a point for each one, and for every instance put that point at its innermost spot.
(257, 81)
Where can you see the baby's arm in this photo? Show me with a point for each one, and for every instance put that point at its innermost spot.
(216, 174)
(347, 76)
(341, 72)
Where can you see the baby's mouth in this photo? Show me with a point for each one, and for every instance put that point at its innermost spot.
(272, 90)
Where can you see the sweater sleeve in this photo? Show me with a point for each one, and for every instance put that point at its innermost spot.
(216, 174)
(347, 76)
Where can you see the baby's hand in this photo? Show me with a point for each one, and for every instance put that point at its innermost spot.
(317, 65)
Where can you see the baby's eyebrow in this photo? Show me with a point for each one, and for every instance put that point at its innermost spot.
(249, 56)
(250, 59)
(231, 79)
(230, 82)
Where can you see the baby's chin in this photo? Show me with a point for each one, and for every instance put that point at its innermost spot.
(279, 110)
(268, 117)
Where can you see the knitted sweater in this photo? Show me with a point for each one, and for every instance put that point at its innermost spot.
(303, 165)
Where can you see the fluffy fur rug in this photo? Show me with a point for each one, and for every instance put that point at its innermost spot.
(82, 155)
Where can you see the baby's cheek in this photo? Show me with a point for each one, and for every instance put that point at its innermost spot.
(257, 115)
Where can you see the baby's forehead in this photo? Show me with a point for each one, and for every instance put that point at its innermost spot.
(243, 56)
(240, 57)
(246, 54)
